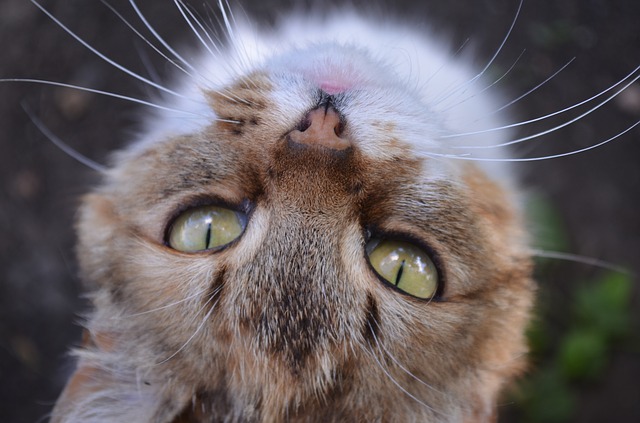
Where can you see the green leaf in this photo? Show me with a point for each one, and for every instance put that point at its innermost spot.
(615, 289)
(538, 337)
(604, 306)
(583, 355)
(548, 227)
(546, 398)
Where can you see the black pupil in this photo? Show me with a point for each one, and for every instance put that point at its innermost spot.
(399, 275)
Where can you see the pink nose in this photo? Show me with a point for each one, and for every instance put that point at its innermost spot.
(321, 127)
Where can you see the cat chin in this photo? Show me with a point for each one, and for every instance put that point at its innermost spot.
(329, 62)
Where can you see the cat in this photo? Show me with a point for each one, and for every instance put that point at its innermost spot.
(297, 237)
(321, 162)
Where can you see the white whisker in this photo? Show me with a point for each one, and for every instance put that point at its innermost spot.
(393, 380)
(180, 5)
(555, 128)
(225, 18)
(105, 58)
(404, 368)
(152, 72)
(490, 62)
(531, 159)
(590, 261)
(173, 304)
(218, 24)
(244, 61)
(540, 118)
(443, 65)
(504, 41)
(233, 18)
(160, 39)
(105, 93)
(184, 11)
(209, 26)
(61, 145)
(490, 85)
(149, 43)
(553, 75)
(204, 321)
(204, 30)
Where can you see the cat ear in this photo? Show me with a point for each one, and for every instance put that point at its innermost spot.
(86, 380)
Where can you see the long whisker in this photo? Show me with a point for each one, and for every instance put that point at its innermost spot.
(182, 7)
(468, 157)
(540, 118)
(209, 26)
(493, 58)
(404, 368)
(159, 38)
(60, 144)
(204, 321)
(105, 58)
(393, 380)
(550, 130)
(590, 261)
(553, 75)
(233, 18)
(149, 43)
(504, 41)
(444, 65)
(213, 15)
(173, 304)
(232, 35)
(225, 18)
(152, 72)
(184, 10)
(490, 85)
(105, 93)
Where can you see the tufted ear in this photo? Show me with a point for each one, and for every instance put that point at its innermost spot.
(86, 380)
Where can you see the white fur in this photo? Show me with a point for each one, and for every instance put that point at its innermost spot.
(391, 72)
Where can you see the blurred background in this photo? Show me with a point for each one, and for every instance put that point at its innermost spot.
(586, 338)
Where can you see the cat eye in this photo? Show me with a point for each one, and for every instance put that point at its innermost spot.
(205, 228)
(405, 266)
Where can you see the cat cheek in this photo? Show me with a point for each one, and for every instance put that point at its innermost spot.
(96, 225)
(86, 379)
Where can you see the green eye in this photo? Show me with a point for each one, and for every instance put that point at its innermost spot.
(405, 266)
(203, 228)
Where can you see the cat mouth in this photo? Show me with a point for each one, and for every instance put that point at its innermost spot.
(333, 87)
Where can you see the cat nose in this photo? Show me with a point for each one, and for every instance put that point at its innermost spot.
(322, 127)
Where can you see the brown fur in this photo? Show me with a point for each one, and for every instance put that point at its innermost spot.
(291, 323)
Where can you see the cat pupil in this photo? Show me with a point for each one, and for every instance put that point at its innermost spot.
(400, 272)
(207, 241)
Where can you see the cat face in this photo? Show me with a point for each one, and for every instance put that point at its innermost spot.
(322, 178)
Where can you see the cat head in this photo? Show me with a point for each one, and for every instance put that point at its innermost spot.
(300, 245)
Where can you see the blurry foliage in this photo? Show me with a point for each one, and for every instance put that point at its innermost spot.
(550, 35)
(564, 359)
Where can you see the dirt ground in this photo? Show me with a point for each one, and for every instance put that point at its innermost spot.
(597, 193)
